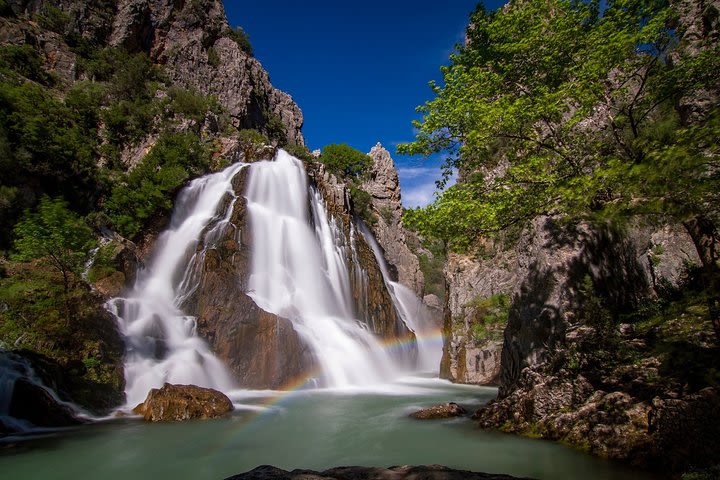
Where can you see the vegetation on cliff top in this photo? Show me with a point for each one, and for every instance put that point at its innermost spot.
(573, 109)
(101, 143)
(565, 107)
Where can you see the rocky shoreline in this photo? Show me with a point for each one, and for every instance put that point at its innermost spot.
(404, 472)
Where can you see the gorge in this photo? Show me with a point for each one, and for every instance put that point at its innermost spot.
(166, 223)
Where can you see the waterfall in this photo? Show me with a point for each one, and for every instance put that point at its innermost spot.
(161, 341)
(412, 310)
(299, 272)
(13, 368)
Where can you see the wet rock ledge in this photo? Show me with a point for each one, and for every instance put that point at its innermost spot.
(405, 472)
(176, 403)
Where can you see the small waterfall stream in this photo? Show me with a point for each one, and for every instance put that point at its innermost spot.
(161, 342)
(299, 272)
(413, 312)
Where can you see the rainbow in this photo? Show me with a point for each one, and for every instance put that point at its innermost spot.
(306, 381)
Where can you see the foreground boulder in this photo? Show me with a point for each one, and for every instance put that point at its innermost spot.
(174, 403)
(446, 410)
(404, 472)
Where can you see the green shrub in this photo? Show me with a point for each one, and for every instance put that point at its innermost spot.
(595, 314)
(432, 268)
(490, 316)
(252, 144)
(275, 128)
(299, 151)
(213, 57)
(52, 18)
(26, 61)
(362, 204)
(129, 76)
(129, 120)
(240, 36)
(49, 145)
(189, 103)
(343, 160)
(147, 190)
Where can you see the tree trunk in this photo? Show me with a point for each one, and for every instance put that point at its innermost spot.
(704, 236)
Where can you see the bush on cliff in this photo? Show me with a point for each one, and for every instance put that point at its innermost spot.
(240, 36)
(345, 161)
(148, 190)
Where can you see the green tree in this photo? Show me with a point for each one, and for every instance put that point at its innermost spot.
(565, 108)
(241, 37)
(341, 159)
(253, 144)
(55, 234)
(148, 189)
(544, 97)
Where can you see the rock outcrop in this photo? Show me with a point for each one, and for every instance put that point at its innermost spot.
(25, 403)
(405, 472)
(466, 358)
(193, 41)
(568, 376)
(261, 350)
(176, 403)
(446, 410)
(384, 187)
(373, 302)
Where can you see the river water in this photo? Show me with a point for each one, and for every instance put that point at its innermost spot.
(314, 429)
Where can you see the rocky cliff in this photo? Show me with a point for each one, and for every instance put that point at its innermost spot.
(192, 40)
(372, 299)
(71, 341)
(384, 187)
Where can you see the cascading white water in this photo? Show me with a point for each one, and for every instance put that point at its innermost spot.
(413, 312)
(161, 342)
(299, 272)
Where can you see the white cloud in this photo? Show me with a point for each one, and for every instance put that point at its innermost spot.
(415, 172)
(419, 195)
(418, 185)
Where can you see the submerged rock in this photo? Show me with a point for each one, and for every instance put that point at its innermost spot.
(404, 472)
(173, 403)
(446, 410)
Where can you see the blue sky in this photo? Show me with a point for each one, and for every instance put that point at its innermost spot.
(358, 69)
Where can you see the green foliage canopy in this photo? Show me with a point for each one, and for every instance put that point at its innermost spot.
(555, 108)
(56, 234)
(148, 189)
(341, 159)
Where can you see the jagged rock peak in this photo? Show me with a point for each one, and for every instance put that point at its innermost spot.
(192, 39)
(384, 187)
(385, 183)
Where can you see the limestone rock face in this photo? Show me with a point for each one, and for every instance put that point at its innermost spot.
(260, 349)
(373, 302)
(384, 187)
(176, 403)
(180, 36)
(542, 272)
(446, 410)
(469, 278)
